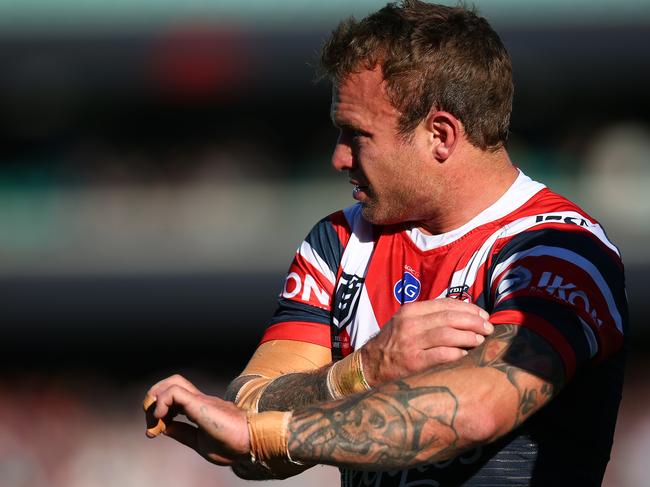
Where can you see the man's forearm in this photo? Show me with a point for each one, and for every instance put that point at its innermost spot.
(394, 427)
(436, 415)
(288, 391)
(293, 391)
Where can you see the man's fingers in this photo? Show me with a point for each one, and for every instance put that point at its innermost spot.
(442, 304)
(427, 327)
(450, 337)
(173, 400)
(461, 321)
(440, 355)
(155, 426)
(174, 380)
(148, 401)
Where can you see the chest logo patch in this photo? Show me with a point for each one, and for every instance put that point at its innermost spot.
(459, 292)
(407, 289)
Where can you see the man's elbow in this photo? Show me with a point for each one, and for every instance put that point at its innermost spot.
(486, 412)
(478, 426)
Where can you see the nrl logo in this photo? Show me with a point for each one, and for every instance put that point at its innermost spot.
(346, 300)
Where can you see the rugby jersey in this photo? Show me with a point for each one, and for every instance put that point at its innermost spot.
(532, 259)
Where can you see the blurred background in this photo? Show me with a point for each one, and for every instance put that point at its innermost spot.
(161, 160)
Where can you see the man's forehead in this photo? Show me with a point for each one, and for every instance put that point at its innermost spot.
(364, 82)
(363, 91)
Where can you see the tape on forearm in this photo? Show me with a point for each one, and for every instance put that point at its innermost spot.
(249, 395)
(346, 377)
(274, 359)
(268, 432)
(278, 357)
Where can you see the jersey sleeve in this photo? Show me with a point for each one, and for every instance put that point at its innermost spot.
(304, 304)
(567, 284)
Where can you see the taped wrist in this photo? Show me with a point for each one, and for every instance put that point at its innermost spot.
(268, 432)
(346, 376)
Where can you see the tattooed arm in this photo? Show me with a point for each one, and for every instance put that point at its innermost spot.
(295, 372)
(434, 415)
(419, 336)
(424, 418)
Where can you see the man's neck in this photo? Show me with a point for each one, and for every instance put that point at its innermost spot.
(472, 187)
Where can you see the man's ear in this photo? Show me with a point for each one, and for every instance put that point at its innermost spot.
(445, 132)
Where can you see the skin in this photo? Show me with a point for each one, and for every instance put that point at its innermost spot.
(423, 178)
(419, 336)
(428, 417)
(417, 413)
(436, 415)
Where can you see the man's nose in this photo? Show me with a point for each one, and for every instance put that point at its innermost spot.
(342, 158)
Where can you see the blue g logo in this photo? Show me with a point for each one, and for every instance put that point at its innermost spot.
(407, 289)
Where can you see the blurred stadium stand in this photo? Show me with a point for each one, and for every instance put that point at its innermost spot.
(160, 161)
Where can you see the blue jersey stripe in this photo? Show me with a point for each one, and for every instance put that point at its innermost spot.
(326, 243)
(293, 311)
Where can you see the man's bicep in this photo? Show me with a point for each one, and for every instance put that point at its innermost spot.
(565, 285)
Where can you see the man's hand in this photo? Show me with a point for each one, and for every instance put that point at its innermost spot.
(421, 335)
(221, 434)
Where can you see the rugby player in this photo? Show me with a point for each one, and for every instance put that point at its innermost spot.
(461, 324)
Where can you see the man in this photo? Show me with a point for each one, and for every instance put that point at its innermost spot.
(427, 391)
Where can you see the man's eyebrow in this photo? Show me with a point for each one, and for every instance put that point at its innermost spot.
(349, 126)
(341, 124)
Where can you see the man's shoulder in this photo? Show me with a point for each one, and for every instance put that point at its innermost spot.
(552, 213)
(346, 224)
(546, 206)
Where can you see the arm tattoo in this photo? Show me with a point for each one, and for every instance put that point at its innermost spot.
(291, 391)
(518, 352)
(288, 391)
(420, 419)
(383, 429)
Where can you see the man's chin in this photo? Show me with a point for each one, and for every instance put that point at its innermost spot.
(369, 212)
(374, 214)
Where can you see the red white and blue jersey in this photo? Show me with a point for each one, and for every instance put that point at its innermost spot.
(531, 259)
